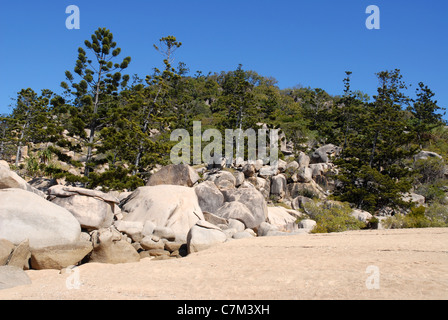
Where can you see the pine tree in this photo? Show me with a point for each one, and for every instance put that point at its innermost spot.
(29, 119)
(140, 109)
(237, 100)
(5, 137)
(373, 171)
(100, 81)
(156, 95)
(424, 116)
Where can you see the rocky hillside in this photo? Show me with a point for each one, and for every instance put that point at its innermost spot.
(53, 224)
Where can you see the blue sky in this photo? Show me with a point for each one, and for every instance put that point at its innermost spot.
(309, 43)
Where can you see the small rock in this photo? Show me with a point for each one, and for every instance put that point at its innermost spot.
(307, 224)
(292, 167)
(237, 225)
(249, 170)
(131, 228)
(242, 235)
(164, 233)
(204, 235)
(303, 160)
(144, 254)
(239, 178)
(214, 219)
(265, 228)
(21, 255)
(148, 243)
(59, 257)
(172, 246)
(158, 252)
(110, 246)
(6, 248)
(361, 215)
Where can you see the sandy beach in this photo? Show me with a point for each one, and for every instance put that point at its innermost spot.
(373, 264)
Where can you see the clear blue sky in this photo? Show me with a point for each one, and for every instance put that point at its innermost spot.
(311, 43)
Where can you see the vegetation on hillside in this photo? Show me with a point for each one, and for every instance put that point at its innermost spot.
(117, 127)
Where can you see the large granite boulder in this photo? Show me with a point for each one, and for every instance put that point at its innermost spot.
(179, 174)
(93, 209)
(324, 153)
(222, 179)
(424, 155)
(209, 196)
(414, 198)
(254, 201)
(299, 202)
(278, 185)
(238, 211)
(110, 246)
(281, 219)
(10, 179)
(170, 206)
(25, 215)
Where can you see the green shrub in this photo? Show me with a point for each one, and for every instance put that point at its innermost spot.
(45, 155)
(438, 214)
(69, 177)
(397, 221)
(373, 223)
(76, 164)
(283, 205)
(32, 166)
(429, 170)
(59, 154)
(420, 217)
(51, 169)
(417, 212)
(305, 192)
(400, 221)
(116, 178)
(332, 218)
(433, 191)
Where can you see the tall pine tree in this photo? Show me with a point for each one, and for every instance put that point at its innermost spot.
(373, 165)
(100, 80)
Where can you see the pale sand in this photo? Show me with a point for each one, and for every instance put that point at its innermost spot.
(412, 264)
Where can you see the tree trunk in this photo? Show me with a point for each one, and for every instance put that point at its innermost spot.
(144, 129)
(373, 148)
(2, 145)
(93, 123)
(19, 145)
(347, 128)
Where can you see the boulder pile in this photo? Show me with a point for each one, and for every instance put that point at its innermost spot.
(181, 210)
